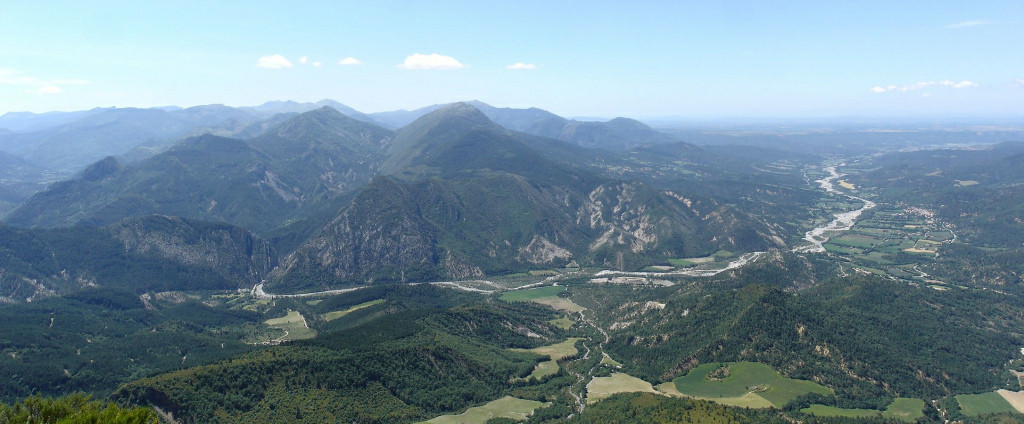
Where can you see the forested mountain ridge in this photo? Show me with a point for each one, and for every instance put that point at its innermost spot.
(262, 184)
(472, 200)
(153, 253)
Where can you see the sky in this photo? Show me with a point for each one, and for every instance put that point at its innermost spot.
(644, 59)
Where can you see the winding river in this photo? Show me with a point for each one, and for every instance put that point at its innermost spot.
(843, 221)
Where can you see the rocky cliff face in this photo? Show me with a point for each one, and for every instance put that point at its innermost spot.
(231, 252)
(152, 253)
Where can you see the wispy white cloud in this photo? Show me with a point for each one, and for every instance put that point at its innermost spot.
(349, 61)
(966, 24)
(14, 77)
(522, 66)
(923, 84)
(50, 89)
(275, 61)
(431, 61)
(303, 60)
(318, 64)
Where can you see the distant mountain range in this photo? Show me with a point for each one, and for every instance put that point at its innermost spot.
(56, 145)
(451, 195)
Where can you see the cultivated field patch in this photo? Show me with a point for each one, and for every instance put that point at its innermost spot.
(542, 370)
(544, 296)
(831, 411)
(1015, 399)
(603, 387)
(903, 409)
(532, 294)
(749, 400)
(556, 351)
(564, 323)
(506, 407)
(294, 326)
(333, 315)
(984, 403)
(736, 379)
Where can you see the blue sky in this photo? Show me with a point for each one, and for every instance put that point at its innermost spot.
(700, 59)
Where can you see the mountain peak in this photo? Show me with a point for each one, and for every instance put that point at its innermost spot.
(434, 130)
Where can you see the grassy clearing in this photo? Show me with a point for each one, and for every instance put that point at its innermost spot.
(905, 409)
(840, 249)
(607, 360)
(831, 411)
(529, 295)
(561, 304)
(506, 407)
(749, 400)
(564, 323)
(736, 379)
(293, 325)
(603, 387)
(545, 272)
(333, 315)
(544, 296)
(856, 240)
(984, 403)
(556, 351)
(966, 183)
(682, 263)
(542, 370)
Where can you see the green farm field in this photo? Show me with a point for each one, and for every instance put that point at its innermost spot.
(556, 351)
(333, 315)
(531, 294)
(903, 409)
(603, 387)
(984, 403)
(743, 378)
(293, 325)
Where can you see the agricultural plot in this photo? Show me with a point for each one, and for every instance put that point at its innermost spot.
(564, 323)
(903, 409)
(506, 407)
(542, 370)
(888, 239)
(607, 360)
(293, 325)
(738, 379)
(529, 295)
(831, 411)
(556, 351)
(544, 296)
(1016, 399)
(333, 315)
(749, 400)
(602, 387)
(984, 403)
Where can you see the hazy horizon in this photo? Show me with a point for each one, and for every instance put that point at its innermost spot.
(661, 59)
